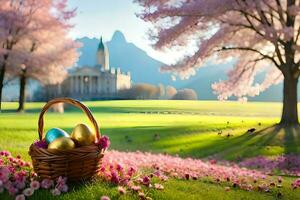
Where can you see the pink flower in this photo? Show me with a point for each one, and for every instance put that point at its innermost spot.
(124, 181)
(20, 184)
(131, 171)
(47, 183)
(41, 144)
(35, 185)
(61, 184)
(55, 192)
(136, 188)
(5, 153)
(20, 197)
(61, 180)
(121, 190)
(115, 178)
(104, 198)
(104, 142)
(4, 174)
(27, 164)
(64, 188)
(28, 192)
(213, 161)
(119, 168)
(11, 159)
(102, 169)
(12, 190)
(158, 186)
(146, 180)
(296, 183)
(142, 195)
(164, 178)
(33, 174)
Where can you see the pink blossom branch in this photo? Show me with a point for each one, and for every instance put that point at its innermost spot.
(253, 50)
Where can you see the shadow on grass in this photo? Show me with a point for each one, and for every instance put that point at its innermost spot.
(273, 140)
(199, 141)
(292, 139)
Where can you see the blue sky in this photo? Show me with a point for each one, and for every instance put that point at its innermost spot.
(97, 18)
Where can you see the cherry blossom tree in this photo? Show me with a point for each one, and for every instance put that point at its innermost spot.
(40, 49)
(262, 35)
(44, 61)
(14, 24)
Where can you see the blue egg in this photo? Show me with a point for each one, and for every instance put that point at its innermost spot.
(55, 133)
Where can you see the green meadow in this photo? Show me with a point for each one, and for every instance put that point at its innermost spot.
(198, 129)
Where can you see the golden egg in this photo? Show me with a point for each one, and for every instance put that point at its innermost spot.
(83, 135)
(62, 143)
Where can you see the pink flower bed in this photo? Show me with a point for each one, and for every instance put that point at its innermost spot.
(287, 164)
(164, 166)
(191, 169)
(137, 172)
(18, 179)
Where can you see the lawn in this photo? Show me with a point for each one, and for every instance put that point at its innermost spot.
(184, 128)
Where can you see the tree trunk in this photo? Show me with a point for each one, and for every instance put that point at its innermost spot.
(2, 73)
(22, 92)
(290, 110)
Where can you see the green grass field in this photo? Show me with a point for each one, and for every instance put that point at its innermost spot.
(186, 128)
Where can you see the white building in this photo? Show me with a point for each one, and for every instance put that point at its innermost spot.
(89, 83)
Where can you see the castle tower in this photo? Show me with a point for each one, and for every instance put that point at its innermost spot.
(102, 56)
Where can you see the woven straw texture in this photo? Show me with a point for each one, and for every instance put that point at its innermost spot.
(76, 164)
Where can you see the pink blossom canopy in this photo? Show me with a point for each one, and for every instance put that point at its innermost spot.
(260, 35)
(34, 39)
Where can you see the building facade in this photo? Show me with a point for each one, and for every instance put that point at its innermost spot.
(92, 83)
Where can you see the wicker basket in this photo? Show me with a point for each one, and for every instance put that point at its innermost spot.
(76, 164)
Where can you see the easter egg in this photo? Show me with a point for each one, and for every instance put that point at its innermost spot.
(62, 143)
(83, 135)
(55, 133)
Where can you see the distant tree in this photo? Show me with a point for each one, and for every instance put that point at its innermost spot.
(261, 34)
(170, 91)
(43, 51)
(162, 91)
(141, 91)
(185, 94)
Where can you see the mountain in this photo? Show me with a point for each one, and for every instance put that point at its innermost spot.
(127, 56)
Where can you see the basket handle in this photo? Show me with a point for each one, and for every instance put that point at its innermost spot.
(73, 102)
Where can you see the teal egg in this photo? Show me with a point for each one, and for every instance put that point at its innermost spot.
(55, 133)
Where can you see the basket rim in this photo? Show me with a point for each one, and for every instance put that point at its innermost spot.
(57, 152)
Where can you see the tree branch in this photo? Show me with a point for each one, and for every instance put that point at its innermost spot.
(280, 12)
(252, 50)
